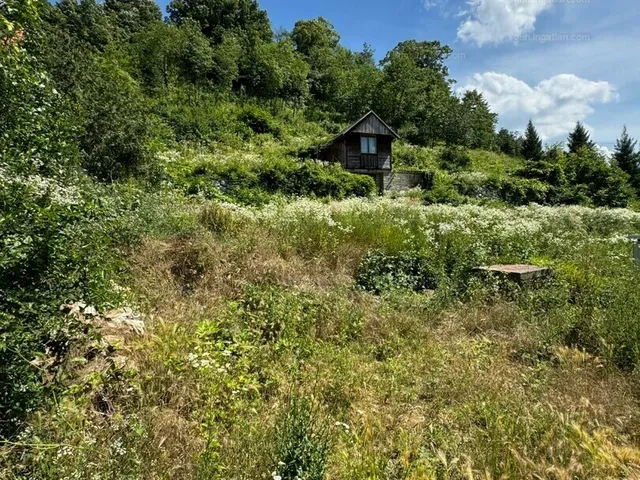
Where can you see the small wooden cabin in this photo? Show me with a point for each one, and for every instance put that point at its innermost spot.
(364, 147)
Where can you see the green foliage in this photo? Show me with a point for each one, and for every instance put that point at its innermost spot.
(480, 121)
(276, 70)
(591, 180)
(34, 132)
(579, 139)
(118, 133)
(132, 16)
(303, 442)
(415, 93)
(59, 244)
(509, 143)
(443, 190)
(312, 35)
(254, 183)
(379, 272)
(455, 159)
(166, 55)
(410, 156)
(258, 120)
(532, 145)
(62, 238)
(341, 82)
(520, 191)
(218, 18)
(627, 159)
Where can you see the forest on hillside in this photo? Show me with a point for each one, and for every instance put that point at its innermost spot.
(124, 84)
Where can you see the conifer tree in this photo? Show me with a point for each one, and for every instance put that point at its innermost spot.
(532, 145)
(580, 138)
(627, 159)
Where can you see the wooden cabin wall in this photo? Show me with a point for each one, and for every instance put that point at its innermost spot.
(335, 153)
(347, 152)
(384, 152)
(353, 151)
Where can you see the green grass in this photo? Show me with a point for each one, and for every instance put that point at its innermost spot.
(494, 163)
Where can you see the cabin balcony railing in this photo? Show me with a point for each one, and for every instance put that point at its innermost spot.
(368, 161)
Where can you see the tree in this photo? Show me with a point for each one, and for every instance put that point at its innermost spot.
(479, 120)
(532, 145)
(627, 159)
(132, 16)
(415, 93)
(117, 130)
(579, 139)
(592, 180)
(84, 21)
(218, 18)
(317, 41)
(34, 128)
(309, 36)
(509, 143)
(278, 71)
(361, 79)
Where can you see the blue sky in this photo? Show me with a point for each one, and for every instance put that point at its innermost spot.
(556, 61)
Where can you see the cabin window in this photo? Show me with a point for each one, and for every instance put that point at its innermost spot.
(368, 145)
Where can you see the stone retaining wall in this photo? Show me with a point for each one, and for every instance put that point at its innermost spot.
(399, 181)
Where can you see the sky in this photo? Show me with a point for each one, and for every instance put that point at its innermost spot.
(554, 61)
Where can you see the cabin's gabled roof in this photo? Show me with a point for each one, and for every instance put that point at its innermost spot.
(369, 123)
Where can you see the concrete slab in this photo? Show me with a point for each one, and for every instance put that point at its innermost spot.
(521, 273)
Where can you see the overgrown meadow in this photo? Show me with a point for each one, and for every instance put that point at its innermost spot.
(353, 339)
(186, 294)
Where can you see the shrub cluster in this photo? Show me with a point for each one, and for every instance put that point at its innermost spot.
(255, 183)
(379, 272)
(455, 158)
(59, 244)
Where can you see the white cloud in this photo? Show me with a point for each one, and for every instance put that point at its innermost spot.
(605, 152)
(495, 21)
(554, 104)
(429, 4)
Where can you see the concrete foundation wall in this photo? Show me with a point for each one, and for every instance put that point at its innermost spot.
(399, 181)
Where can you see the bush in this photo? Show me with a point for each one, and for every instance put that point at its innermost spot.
(119, 133)
(413, 157)
(254, 184)
(455, 159)
(61, 237)
(379, 272)
(59, 244)
(475, 184)
(443, 190)
(259, 120)
(520, 191)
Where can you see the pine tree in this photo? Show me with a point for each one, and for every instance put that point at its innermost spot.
(532, 145)
(627, 159)
(580, 138)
